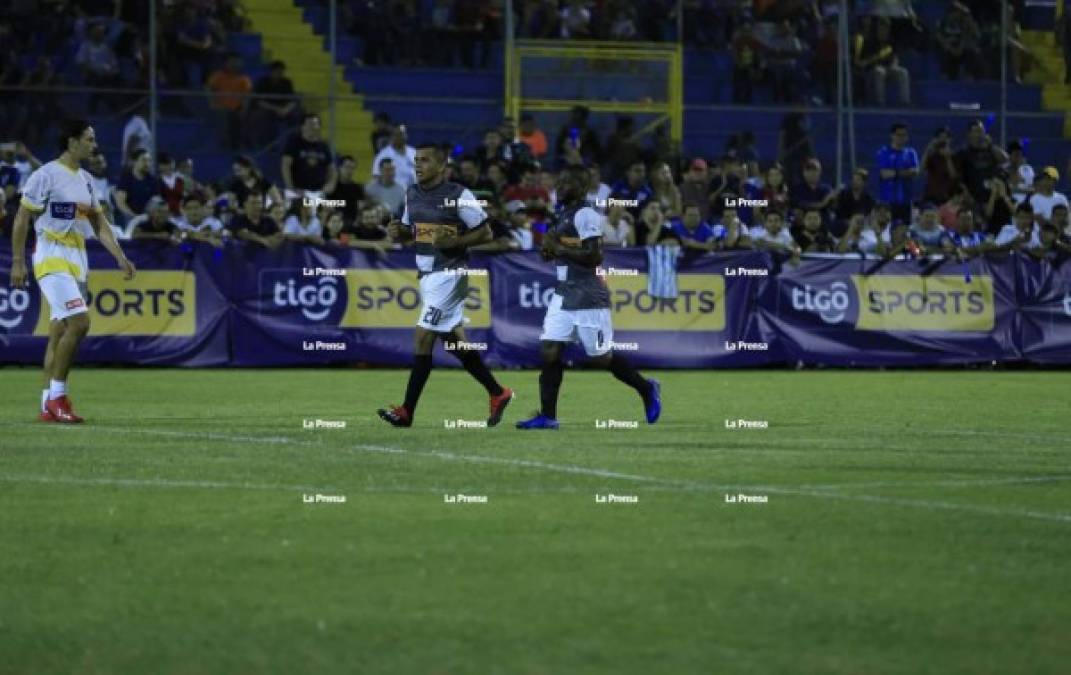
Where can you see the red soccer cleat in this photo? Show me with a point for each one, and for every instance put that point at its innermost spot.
(497, 406)
(397, 416)
(45, 416)
(60, 409)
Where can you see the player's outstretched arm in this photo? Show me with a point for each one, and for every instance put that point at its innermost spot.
(104, 232)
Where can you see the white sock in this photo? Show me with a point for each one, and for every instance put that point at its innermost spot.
(56, 389)
(44, 399)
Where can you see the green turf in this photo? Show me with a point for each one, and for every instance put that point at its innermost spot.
(169, 535)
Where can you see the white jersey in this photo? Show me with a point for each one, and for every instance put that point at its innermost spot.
(64, 198)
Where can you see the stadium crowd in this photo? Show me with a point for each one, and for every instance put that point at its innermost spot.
(966, 196)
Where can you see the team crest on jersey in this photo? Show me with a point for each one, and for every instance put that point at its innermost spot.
(63, 210)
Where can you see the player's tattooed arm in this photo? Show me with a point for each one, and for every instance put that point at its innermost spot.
(103, 230)
(589, 253)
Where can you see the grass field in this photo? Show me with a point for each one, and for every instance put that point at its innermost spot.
(916, 522)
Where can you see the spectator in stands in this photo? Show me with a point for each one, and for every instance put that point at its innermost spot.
(875, 57)
(794, 146)
(1045, 196)
(939, 162)
(694, 232)
(651, 225)
(600, 192)
(622, 148)
(617, 228)
(195, 44)
(979, 161)
(197, 223)
(1020, 173)
(303, 226)
(274, 105)
(97, 166)
(185, 169)
(230, 88)
(882, 220)
(812, 193)
(368, 232)
(964, 241)
(347, 190)
(958, 37)
(532, 136)
(575, 20)
(99, 65)
(1063, 40)
(634, 190)
(665, 190)
(948, 213)
(860, 237)
(694, 187)
(549, 181)
(999, 208)
(773, 235)
(469, 176)
(745, 49)
(136, 136)
(137, 185)
(529, 191)
(381, 131)
(1021, 234)
(172, 186)
(155, 223)
(308, 165)
(254, 226)
(621, 20)
(17, 160)
(852, 199)
(1060, 220)
(812, 236)
(898, 165)
(773, 190)
(386, 191)
(928, 232)
(578, 136)
(728, 180)
(782, 55)
(731, 231)
(498, 175)
(402, 156)
(247, 178)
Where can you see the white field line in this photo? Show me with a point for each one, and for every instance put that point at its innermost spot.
(804, 491)
(160, 483)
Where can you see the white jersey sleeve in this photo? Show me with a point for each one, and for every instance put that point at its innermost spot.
(94, 198)
(588, 223)
(38, 188)
(470, 211)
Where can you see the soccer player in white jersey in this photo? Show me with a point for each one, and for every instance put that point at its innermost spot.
(59, 200)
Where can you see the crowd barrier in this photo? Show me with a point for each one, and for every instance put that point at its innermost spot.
(245, 306)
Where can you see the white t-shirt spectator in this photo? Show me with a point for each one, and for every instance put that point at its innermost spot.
(1026, 178)
(404, 164)
(292, 225)
(1009, 232)
(615, 234)
(23, 168)
(868, 240)
(136, 134)
(1043, 205)
(575, 20)
(597, 197)
(759, 233)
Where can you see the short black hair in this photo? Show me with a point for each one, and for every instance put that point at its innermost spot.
(381, 117)
(164, 158)
(194, 197)
(345, 158)
(897, 126)
(1025, 207)
(307, 116)
(71, 129)
(436, 148)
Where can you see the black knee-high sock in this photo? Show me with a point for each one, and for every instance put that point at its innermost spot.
(550, 381)
(418, 377)
(475, 366)
(623, 370)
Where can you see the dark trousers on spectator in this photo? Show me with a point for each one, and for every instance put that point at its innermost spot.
(743, 85)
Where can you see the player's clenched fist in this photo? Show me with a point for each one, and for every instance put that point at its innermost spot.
(394, 230)
(18, 274)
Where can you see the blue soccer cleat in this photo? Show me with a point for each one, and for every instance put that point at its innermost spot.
(540, 421)
(652, 404)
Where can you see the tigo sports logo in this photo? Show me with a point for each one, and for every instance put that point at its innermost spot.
(899, 302)
(831, 304)
(154, 303)
(314, 300)
(13, 305)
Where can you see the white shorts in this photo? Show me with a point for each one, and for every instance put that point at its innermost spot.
(592, 327)
(443, 295)
(66, 297)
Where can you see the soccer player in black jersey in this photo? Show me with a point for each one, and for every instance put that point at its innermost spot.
(580, 308)
(444, 220)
